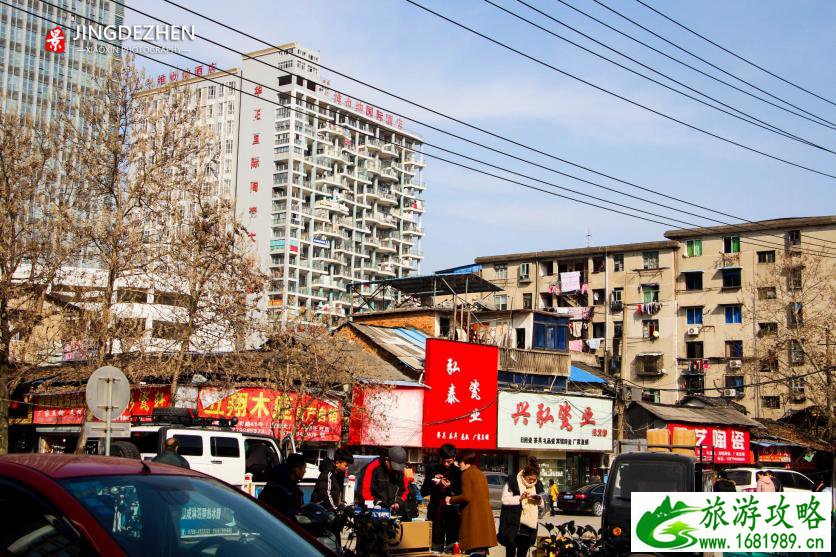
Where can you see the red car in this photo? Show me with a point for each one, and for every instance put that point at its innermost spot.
(78, 505)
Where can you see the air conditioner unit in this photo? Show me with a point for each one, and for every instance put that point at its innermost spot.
(735, 364)
(729, 392)
(693, 331)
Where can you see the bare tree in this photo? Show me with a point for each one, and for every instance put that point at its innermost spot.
(792, 311)
(37, 207)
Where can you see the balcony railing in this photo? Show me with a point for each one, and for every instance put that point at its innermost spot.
(535, 361)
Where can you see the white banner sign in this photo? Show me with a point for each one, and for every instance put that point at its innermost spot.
(560, 422)
(773, 523)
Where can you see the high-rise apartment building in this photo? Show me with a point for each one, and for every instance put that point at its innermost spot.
(330, 188)
(719, 311)
(32, 76)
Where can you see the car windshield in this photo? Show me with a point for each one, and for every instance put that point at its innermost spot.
(739, 477)
(179, 515)
(653, 476)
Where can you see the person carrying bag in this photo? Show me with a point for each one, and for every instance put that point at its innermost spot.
(521, 504)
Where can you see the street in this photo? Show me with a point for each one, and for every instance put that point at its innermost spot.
(582, 520)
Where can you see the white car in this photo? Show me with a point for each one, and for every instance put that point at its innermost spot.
(746, 479)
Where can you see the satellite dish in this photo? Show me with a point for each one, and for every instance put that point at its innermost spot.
(99, 400)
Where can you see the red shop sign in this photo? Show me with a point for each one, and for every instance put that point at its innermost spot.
(274, 413)
(724, 445)
(461, 405)
(71, 408)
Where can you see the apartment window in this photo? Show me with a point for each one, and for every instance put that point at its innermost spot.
(693, 247)
(211, 92)
(650, 328)
(128, 295)
(735, 382)
(734, 349)
(767, 328)
(766, 293)
(796, 353)
(528, 302)
(795, 313)
(731, 278)
(693, 280)
(520, 334)
(693, 315)
(618, 262)
(734, 314)
(167, 330)
(769, 362)
(209, 110)
(228, 146)
(731, 244)
(794, 279)
(501, 271)
(772, 402)
(794, 238)
(598, 296)
(650, 293)
(230, 107)
(650, 259)
(797, 385)
(617, 295)
(523, 271)
(694, 350)
(597, 264)
(548, 268)
(650, 395)
(766, 256)
(501, 302)
(599, 330)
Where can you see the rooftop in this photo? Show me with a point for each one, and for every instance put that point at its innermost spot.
(757, 226)
(578, 252)
(436, 285)
(713, 415)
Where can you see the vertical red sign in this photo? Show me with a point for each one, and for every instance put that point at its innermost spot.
(461, 405)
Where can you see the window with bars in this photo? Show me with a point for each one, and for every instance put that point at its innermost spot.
(772, 402)
(650, 328)
(501, 271)
(650, 260)
(618, 262)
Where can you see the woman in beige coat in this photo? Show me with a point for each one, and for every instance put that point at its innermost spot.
(477, 532)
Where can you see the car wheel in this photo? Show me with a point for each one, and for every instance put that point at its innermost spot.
(598, 508)
(124, 449)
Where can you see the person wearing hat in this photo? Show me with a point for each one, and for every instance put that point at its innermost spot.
(382, 482)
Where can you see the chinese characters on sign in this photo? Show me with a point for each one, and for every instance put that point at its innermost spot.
(178, 76)
(725, 445)
(532, 420)
(366, 110)
(71, 408)
(460, 407)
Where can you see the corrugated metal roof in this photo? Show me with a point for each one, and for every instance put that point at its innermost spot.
(686, 414)
(405, 343)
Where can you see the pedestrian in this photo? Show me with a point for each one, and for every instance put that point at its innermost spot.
(383, 482)
(282, 490)
(554, 493)
(477, 531)
(329, 490)
(521, 505)
(775, 480)
(765, 482)
(723, 484)
(443, 479)
(170, 454)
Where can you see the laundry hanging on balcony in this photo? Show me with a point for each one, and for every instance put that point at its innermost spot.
(576, 328)
(650, 308)
(594, 343)
(576, 345)
(570, 282)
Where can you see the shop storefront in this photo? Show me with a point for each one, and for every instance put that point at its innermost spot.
(570, 435)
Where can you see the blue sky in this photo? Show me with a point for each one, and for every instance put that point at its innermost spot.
(402, 49)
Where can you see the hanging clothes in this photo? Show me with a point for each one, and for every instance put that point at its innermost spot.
(576, 345)
(594, 343)
(575, 328)
(570, 282)
(584, 288)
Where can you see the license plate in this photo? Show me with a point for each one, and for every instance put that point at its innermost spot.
(568, 497)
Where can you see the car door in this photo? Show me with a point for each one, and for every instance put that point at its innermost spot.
(226, 457)
(801, 482)
(787, 480)
(193, 447)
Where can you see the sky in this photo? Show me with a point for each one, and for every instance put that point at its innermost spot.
(404, 50)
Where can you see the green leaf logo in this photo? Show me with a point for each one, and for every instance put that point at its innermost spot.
(680, 531)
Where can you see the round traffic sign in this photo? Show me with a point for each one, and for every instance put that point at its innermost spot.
(103, 379)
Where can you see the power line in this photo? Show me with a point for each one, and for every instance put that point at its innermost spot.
(467, 124)
(280, 93)
(701, 59)
(818, 120)
(799, 87)
(619, 96)
(741, 115)
(756, 384)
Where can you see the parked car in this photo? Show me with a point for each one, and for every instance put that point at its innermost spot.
(588, 498)
(97, 505)
(495, 482)
(745, 479)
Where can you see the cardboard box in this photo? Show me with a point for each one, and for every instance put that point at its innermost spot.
(416, 539)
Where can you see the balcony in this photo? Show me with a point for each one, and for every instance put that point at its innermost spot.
(616, 306)
(388, 174)
(542, 362)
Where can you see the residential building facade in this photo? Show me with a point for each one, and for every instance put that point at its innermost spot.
(31, 77)
(684, 316)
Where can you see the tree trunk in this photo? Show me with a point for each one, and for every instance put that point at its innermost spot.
(4, 408)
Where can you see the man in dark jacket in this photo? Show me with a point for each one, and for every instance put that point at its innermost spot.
(328, 490)
(170, 455)
(282, 490)
(383, 482)
(443, 479)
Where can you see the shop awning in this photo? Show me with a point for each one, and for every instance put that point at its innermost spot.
(649, 354)
(579, 375)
